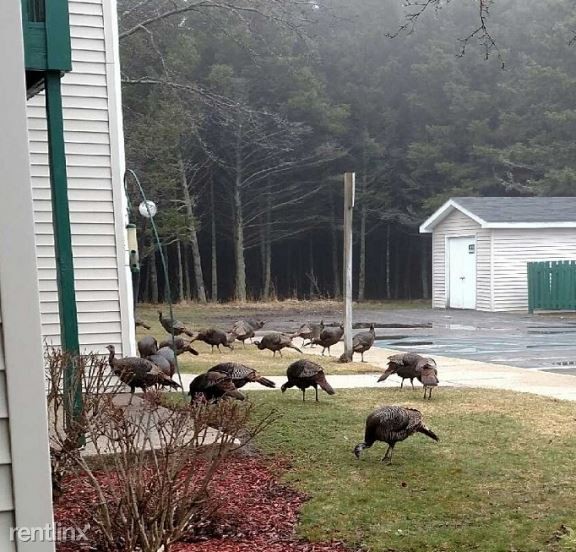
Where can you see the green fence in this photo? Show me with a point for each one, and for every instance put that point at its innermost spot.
(552, 285)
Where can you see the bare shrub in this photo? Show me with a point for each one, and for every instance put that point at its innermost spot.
(90, 374)
(150, 464)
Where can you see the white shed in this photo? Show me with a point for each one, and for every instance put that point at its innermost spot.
(481, 247)
(91, 96)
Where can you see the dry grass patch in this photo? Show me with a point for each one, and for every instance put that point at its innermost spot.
(263, 361)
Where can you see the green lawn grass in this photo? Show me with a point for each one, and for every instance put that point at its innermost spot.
(197, 317)
(501, 478)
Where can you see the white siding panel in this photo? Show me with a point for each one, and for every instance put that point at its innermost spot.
(483, 270)
(6, 524)
(85, 94)
(513, 249)
(6, 498)
(5, 456)
(454, 225)
(3, 395)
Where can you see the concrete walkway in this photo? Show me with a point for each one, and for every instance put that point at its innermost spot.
(454, 372)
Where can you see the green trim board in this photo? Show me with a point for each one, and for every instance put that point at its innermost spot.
(62, 240)
(46, 29)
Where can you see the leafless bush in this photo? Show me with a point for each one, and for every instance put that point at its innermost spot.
(150, 465)
(68, 417)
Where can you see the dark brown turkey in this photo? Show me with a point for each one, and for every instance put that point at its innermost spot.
(213, 386)
(391, 424)
(275, 342)
(304, 374)
(138, 372)
(147, 346)
(406, 366)
(171, 325)
(428, 377)
(309, 332)
(215, 338)
(241, 375)
(363, 341)
(182, 346)
(329, 337)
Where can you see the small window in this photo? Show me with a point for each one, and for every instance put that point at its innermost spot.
(471, 249)
(36, 11)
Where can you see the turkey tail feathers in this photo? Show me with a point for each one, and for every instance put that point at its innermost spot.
(429, 433)
(266, 382)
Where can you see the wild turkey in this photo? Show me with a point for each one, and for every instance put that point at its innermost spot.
(140, 323)
(138, 372)
(275, 342)
(147, 346)
(254, 323)
(329, 337)
(212, 386)
(391, 424)
(163, 363)
(214, 338)
(242, 331)
(428, 377)
(363, 341)
(170, 356)
(182, 346)
(169, 324)
(304, 374)
(241, 375)
(405, 365)
(310, 332)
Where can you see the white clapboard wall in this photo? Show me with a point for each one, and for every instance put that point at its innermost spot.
(95, 164)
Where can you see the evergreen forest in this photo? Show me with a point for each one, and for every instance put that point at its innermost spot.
(242, 116)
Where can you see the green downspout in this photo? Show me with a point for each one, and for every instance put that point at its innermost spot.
(63, 244)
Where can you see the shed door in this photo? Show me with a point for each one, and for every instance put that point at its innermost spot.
(462, 273)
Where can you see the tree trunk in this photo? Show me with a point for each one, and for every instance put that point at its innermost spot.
(267, 246)
(187, 283)
(388, 287)
(180, 271)
(145, 294)
(363, 201)
(214, 294)
(240, 280)
(192, 224)
(425, 269)
(153, 278)
(362, 268)
(335, 260)
(167, 294)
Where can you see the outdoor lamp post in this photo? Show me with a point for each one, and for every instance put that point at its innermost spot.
(149, 210)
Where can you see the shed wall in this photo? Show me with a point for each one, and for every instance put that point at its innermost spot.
(91, 114)
(454, 225)
(513, 249)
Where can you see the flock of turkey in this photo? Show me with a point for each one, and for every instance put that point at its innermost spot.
(156, 366)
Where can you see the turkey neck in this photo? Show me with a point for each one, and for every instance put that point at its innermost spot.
(111, 359)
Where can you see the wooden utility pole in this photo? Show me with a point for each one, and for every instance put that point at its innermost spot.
(349, 188)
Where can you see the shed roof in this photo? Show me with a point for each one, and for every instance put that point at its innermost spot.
(509, 212)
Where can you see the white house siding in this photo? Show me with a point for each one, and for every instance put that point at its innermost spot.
(6, 491)
(454, 225)
(513, 249)
(25, 482)
(94, 155)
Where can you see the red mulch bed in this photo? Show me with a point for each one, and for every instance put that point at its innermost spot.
(254, 512)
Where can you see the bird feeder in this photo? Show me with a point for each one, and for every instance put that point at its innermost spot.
(132, 239)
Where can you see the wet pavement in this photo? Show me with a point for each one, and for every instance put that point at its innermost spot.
(537, 342)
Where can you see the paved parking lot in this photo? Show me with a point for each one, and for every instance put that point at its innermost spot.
(539, 342)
